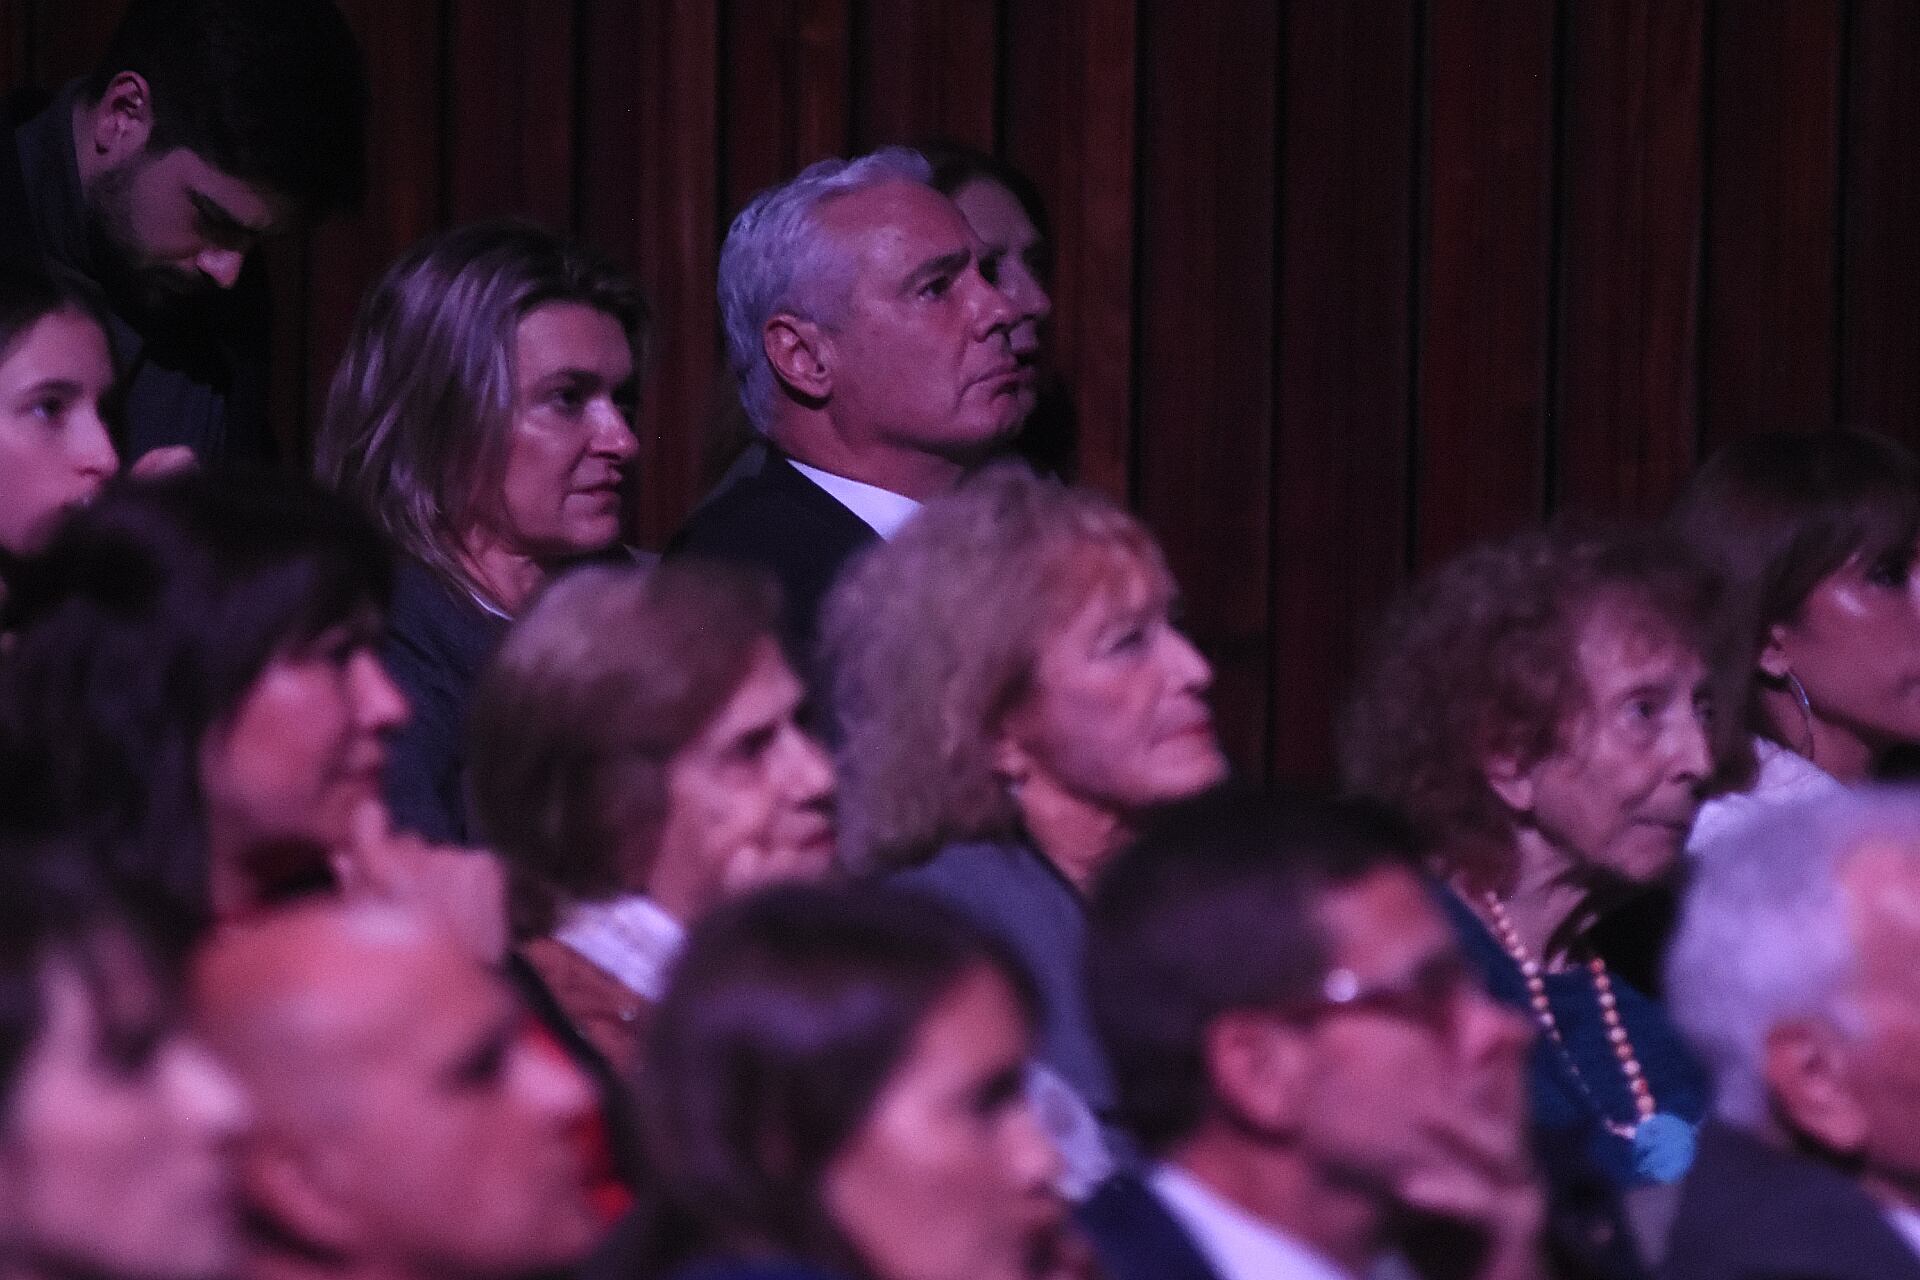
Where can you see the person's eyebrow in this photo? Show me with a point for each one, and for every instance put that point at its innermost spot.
(51, 386)
(946, 264)
(220, 217)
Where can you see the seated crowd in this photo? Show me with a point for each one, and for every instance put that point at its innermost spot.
(402, 878)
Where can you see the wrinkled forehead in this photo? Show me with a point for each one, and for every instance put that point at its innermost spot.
(892, 227)
(1383, 924)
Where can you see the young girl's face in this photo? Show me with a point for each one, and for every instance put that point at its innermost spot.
(55, 453)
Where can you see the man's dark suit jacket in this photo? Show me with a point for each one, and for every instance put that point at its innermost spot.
(1750, 1211)
(1135, 1236)
(772, 516)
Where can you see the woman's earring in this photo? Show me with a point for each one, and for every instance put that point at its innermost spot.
(1806, 708)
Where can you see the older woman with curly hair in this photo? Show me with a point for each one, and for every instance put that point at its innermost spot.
(1013, 695)
(1537, 708)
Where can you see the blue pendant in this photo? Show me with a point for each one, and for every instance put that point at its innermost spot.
(1662, 1147)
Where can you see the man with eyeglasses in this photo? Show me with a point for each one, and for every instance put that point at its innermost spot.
(1322, 1088)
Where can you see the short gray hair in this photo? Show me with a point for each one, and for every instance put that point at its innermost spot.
(1764, 936)
(776, 258)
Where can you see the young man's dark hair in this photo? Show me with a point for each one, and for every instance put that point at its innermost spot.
(1213, 910)
(268, 91)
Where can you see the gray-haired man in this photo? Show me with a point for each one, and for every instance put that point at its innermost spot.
(873, 356)
(1793, 975)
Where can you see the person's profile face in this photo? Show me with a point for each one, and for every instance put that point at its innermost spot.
(571, 439)
(176, 228)
(118, 1142)
(1400, 1087)
(461, 1155)
(921, 353)
(1852, 645)
(1013, 256)
(1116, 715)
(1618, 795)
(302, 751)
(55, 453)
(750, 798)
(950, 1177)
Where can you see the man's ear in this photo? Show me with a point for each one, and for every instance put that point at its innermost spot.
(1258, 1071)
(801, 353)
(1510, 782)
(1805, 1069)
(289, 1185)
(121, 121)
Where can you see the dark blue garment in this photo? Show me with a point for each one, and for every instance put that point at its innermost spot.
(436, 644)
(1562, 1111)
(1137, 1238)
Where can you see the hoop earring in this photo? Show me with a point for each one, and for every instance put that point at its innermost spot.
(1806, 708)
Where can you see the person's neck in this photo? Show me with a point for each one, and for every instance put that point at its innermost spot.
(1075, 835)
(1551, 903)
(508, 577)
(267, 1262)
(1284, 1191)
(1840, 752)
(811, 437)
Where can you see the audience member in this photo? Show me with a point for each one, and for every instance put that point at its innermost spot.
(1013, 694)
(1301, 1047)
(1815, 538)
(117, 1130)
(1003, 207)
(483, 415)
(834, 1086)
(193, 694)
(56, 379)
(1792, 975)
(206, 126)
(636, 759)
(1536, 706)
(872, 354)
(409, 1125)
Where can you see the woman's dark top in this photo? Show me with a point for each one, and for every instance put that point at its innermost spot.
(1564, 1116)
(437, 641)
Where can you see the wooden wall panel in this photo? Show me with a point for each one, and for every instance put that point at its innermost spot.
(1483, 352)
(1340, 512)
(1207, 176)
(1341, 284)
(1772, 216)
(1629, 254)
(1880, 245)
(1071, 120)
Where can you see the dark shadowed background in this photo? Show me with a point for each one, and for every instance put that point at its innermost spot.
(1342, 284)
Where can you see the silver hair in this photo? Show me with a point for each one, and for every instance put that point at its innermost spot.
(777, 258)
(1764, 935)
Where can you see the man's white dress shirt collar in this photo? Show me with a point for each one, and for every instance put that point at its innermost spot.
(1907, 1222)
(883, 510)
(1237, 1245)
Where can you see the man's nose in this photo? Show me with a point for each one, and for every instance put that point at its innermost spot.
(222, 266)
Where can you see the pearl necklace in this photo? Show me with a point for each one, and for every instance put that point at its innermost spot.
(1643, 1103)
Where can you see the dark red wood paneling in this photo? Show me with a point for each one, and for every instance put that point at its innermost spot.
(649, 195)
(1340, 443)
(1206, 291)
(1070, 121)
(1483, 356)
(1629, 253)
(511, 104)
(1880, 279)
(1772, 216)
(929, 69)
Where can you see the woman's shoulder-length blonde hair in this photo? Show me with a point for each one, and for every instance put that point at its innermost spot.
(931, 640)
(420, 408)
